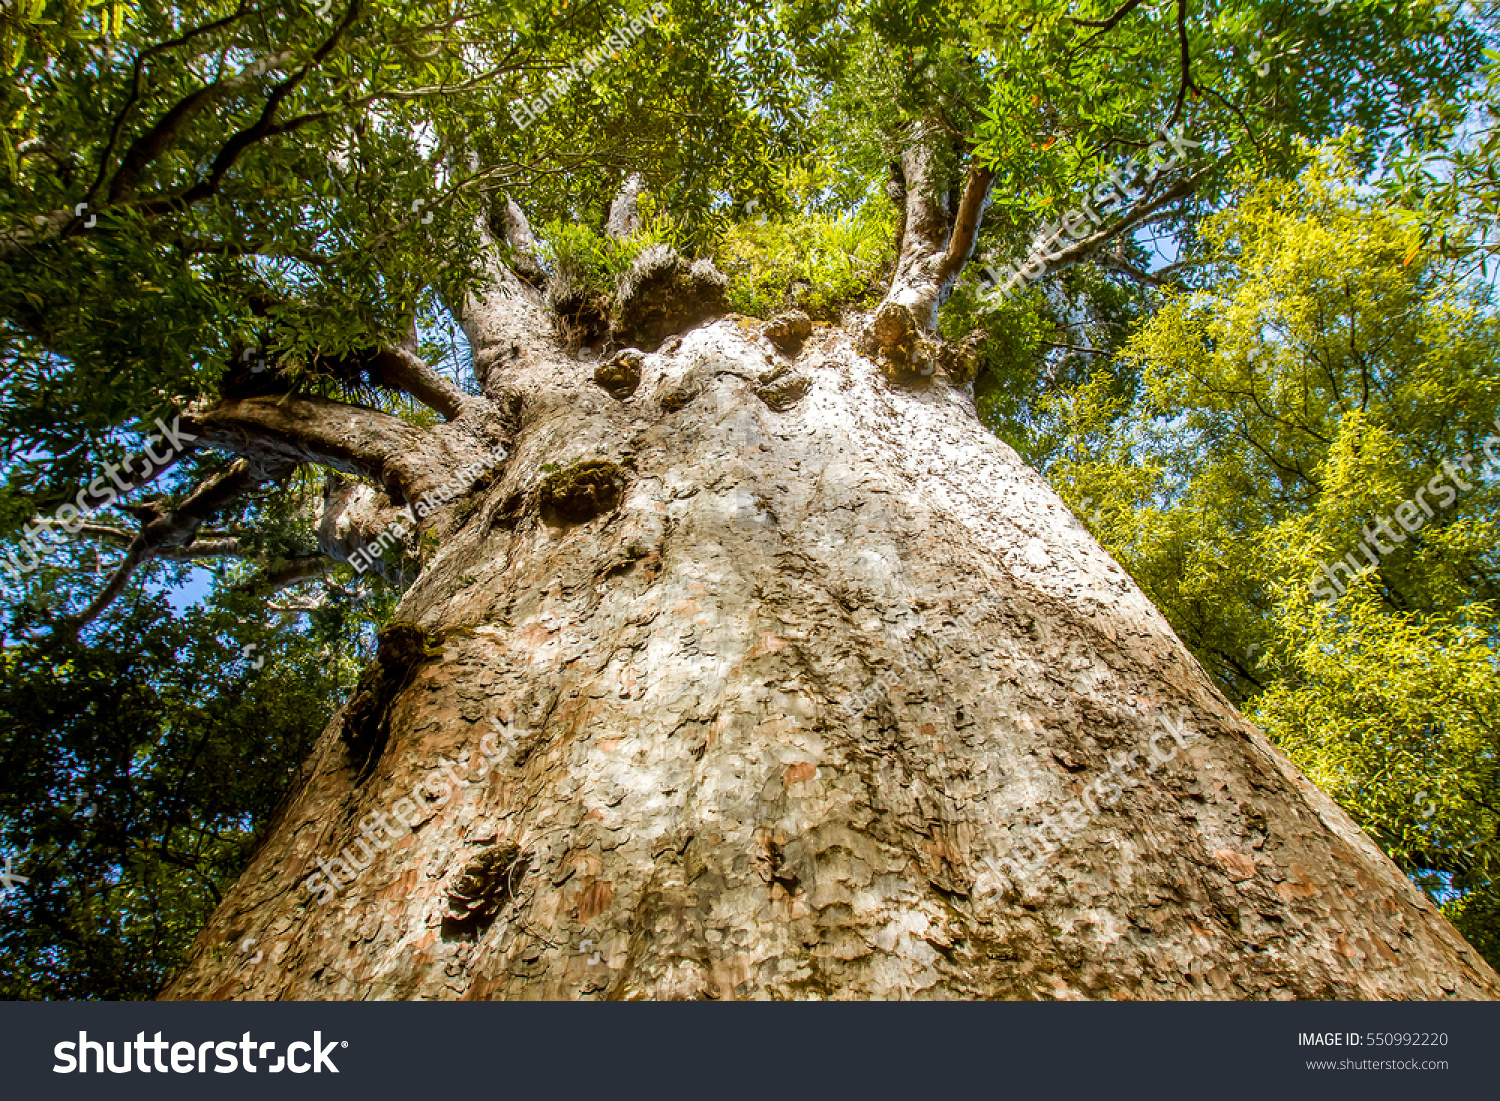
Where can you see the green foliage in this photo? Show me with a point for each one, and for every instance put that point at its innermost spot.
(139, 769)
(812, 257)
(1054, 104)
(1394, 715)
(817, 261)
(594, 262)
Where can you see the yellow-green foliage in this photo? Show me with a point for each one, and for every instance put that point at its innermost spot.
(593, 260)
(814, 261)
(1314, 387)
(1394, 715)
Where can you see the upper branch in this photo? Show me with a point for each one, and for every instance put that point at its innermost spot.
(215, 547)
(290, 572)
(146, 149)
(505, 315)
(402, 369)
(1106, 25)
(624, 216)
(971, 208)
(1185, 63)
(936, 242)
(1143, 209)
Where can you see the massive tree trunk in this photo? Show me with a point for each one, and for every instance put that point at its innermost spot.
(685, 806)
(762, 670)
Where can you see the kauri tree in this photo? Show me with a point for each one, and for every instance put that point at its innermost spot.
(730, 656)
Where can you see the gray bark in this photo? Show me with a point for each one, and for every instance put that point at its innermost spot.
(936, 241)
(624, 217)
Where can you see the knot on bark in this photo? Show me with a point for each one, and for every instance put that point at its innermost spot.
(620, 375)
(367, 719)
(960, 361)
(906, 355)
(788, 332)
(781, 388)
(894, 327)
(482, 889)
(895, 341)
(581, 492)
(663, 294)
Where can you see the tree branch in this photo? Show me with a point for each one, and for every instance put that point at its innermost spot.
(503, 318)
(164, 531)
(144, 151)
(935, 243)
(1106, 25)
(518, 235)
(135, 86)
(1138, 214)
(1185, 62)
(624, 216)
(211, 547)
(406, 459)
(971, 208)
(302, 568)
(352, 517)
(402, 369)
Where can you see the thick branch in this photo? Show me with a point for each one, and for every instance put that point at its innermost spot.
(523, 247)
(1136, 216)
(352, 518)
(264, 127)
(302, 568)
(145, 151)
(136, 71)
(935, 243)
(152, 144)
(402, 369)
(505, 318)
(214, 547)
(624, 215)
(407, 460)
(971, 210)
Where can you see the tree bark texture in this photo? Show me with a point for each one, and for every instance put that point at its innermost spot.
(680, 575)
